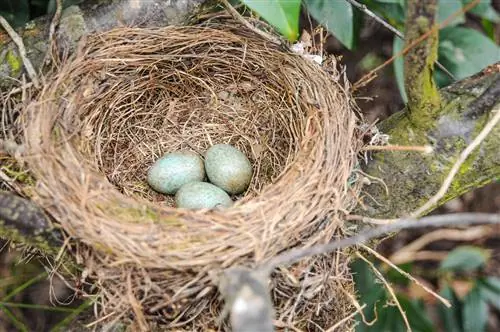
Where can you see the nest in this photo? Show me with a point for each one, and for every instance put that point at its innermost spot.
(130, 95)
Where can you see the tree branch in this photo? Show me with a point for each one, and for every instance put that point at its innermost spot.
(423, 96)
(23, 222)
(412, 178)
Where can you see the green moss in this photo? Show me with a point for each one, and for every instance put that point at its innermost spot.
(13, 234)
(15, 63)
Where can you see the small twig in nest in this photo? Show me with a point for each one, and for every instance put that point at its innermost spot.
(238, 17)
(22, 51)
(461, 159)
(345, 319)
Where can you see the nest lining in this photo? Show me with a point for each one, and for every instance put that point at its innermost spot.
(131, 95)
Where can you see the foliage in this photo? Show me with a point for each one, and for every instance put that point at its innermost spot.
(470, 295)
(19, 12)
(463, 51)
(17, 281)
(284, 14)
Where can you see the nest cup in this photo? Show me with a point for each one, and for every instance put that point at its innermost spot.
(129, 96)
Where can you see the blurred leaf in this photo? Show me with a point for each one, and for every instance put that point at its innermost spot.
(370, 292)
(16, 12)
(465, 51)
(446, 8)
(451, 317)
(490, 290)
(485, 10)
(393, 11)
(335, 16)
(396, 277)
(398, 67)
(465, 258)
(417, 317)
(493, 283)
(475, 312)
(282, 14)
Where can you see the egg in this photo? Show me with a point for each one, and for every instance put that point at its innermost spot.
(228, 168)
(201, 195)
(174, 170)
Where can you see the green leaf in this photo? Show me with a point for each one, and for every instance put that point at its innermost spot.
(335, 16)
(485, 10)
(466, 51)
(417, 317)
(465, 258)
(493, 283)
(475, 312)
(16, 12)
(451, 317)
(446, 8)
(398, 67)
(490, 290)
(282, 14)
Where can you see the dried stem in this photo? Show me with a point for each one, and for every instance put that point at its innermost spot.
(22, 51)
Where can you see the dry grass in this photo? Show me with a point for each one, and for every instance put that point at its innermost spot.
(130, 95)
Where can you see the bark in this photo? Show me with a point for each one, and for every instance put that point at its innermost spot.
(23, 222)
(412, 177)
(448, 120)
(77, 21)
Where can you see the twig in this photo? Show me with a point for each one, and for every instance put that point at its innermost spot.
(463, 156)
(369, 220)
(389, 289)
(424, 149)
(456, 219)
(406, 253)
(55, 20)
(52, 29)
(373, 73)
(398, 33)
(22, 51)
(237, 16)
(407, 275)
(347, 318)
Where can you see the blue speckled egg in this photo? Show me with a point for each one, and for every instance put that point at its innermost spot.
(201, 195)
(174, 170)
(228, 168)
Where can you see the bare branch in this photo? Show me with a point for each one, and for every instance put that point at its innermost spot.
(247, 299)
(458, 219)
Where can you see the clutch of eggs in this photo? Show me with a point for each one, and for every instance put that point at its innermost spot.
(182, 173)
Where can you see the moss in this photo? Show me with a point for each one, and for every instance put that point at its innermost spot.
(15, 63)
(16, 236)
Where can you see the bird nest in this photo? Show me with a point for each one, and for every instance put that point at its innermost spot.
(130, 95)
